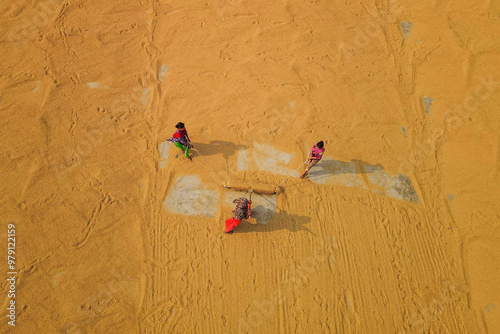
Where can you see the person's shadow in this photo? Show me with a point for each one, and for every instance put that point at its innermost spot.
(330, 167)
(225, 148)
(268, 220)
(384, 182)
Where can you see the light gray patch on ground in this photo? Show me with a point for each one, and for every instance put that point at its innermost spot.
(96, 85)
(37, 88)
(145, 96)
(404, 189)
(427, 103)
(367, 168)
(163, 148)
(269, 159)
(173, 12)
(490, 307)
(396, 186)
(263, 157)
(163, 70)
(330, 171)
(190, 197)
(263, 206)
(242, 160)
(406, 27)
(403, 129)
(55, 278)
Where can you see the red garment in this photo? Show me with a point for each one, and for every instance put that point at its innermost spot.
(179, 133)
(231, 223)
(180, 137)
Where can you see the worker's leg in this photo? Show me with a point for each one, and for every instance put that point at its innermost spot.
(305, 171)
(314, 162)
(309, 166)
(180, 146)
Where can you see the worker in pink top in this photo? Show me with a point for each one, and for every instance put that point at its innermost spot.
(314, 157)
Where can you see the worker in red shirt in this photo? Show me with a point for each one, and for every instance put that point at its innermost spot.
(181, 139)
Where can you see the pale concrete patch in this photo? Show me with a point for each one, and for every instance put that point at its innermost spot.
(263, 206)
(163, 70)
(451, 197)
(163, 148)
(56, 277)
(37, 88)
(427, 103)
(242, 161)
(145, 96)
(190, 197)
(330, 171)
(403, 129)
(96, 85)
(406, 28)
(396, 186)
(173, 12)
(263, 157)
(269, 159)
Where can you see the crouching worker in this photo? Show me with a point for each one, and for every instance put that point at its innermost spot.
(241, 212)
(181, 139)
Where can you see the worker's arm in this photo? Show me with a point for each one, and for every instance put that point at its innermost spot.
(189, 140)
(248, 211)
(310, 157)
